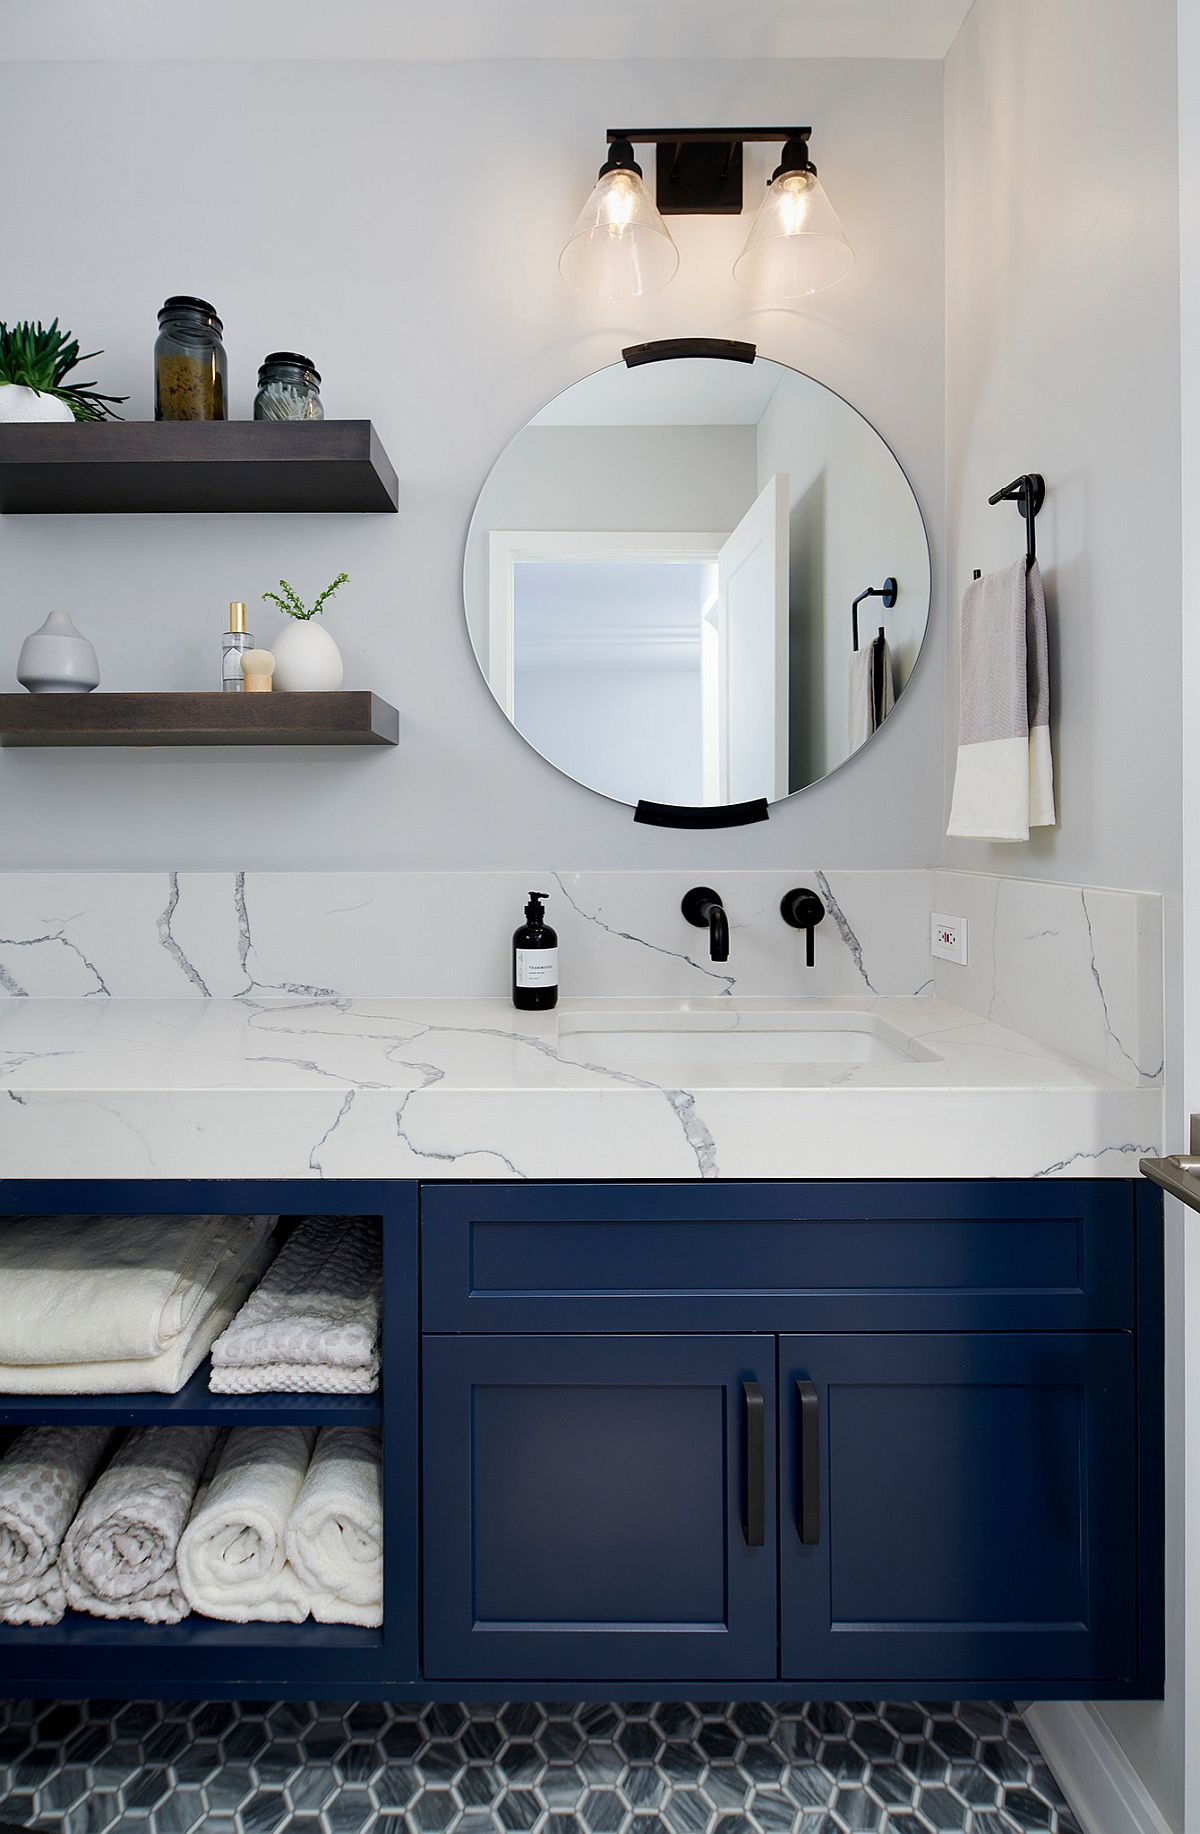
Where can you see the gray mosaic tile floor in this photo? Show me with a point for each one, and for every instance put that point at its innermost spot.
(311, 1768)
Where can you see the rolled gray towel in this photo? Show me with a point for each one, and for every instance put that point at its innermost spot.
(118, 1559)
(43, 1477)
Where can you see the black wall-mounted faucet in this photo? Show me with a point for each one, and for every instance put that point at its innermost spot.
(702, 907)
(804, 911)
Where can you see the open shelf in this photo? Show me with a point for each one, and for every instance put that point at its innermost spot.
(195, 467)
(349, 717)
(80, 1631)
(194, 1405)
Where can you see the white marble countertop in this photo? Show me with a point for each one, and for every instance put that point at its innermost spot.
(332, 1088)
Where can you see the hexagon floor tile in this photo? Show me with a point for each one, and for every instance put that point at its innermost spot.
(302, 1768)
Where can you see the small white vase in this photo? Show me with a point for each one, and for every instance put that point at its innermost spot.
(20, 403)
(307, 660)
(57, 659)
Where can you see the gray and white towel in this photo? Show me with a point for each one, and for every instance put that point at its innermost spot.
(312, 1325)
(1004, 780)
(335, 1536)
(43, 1477)
(872, 690)
(119, 1557)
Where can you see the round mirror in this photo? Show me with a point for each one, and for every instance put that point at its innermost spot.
(697, 582)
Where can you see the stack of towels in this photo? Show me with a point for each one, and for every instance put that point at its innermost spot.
(259, 1523)
(312, 1326)
(94, 1305)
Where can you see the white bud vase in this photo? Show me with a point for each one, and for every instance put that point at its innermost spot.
(307, 660)
(20, 403)
(57, 659)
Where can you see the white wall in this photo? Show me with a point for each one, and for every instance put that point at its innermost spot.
(1062, 332)
(401, 224)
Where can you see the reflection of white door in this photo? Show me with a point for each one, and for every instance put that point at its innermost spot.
(751, 654)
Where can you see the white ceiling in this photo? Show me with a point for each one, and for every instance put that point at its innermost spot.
(412, 29)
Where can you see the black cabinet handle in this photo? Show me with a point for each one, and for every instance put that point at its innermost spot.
(755, 1525)
(808, 1404)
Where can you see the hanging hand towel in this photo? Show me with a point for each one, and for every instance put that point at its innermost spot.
(872, 690)
(1004, 781)
(118, 1560)
(335, 1536)
(232, 1560)
(93, 1289)
(312, 1326)
(43, 1477)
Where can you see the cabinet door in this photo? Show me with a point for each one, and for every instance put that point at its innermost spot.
(969, 1511)
(599, 1508)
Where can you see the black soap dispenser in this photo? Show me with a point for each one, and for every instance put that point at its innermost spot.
(535, 960)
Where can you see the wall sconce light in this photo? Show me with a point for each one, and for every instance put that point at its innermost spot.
(620, 247)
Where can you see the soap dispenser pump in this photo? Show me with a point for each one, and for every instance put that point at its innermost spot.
(535, 959)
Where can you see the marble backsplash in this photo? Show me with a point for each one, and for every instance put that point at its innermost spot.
(1077, 969)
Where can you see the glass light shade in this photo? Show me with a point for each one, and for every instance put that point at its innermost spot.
(620, 247)
(796, 244)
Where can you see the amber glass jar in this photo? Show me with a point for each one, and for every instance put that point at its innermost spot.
(189, 362)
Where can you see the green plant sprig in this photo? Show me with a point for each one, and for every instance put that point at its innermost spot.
(39, 356)
(293, 606)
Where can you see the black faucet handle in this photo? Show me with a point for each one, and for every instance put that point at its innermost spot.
(803, 910)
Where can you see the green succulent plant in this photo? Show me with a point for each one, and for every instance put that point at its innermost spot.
(39, 356)
(293, 606)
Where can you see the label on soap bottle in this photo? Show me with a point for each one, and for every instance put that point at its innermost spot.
(537, 967)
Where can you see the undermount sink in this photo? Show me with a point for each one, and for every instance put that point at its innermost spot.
(746, 1048)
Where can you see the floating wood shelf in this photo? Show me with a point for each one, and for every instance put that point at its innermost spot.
(351, 717)
(194, 467)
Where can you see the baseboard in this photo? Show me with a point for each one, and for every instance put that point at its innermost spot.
(1093, 1771)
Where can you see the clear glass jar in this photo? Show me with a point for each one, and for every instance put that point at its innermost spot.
(289, 388)
(189, 362)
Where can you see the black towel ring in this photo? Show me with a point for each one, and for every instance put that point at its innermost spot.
(1028, 493)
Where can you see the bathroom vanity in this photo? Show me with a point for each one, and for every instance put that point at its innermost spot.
(768, 1439)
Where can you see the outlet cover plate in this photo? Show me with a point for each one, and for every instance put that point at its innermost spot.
(948, 938)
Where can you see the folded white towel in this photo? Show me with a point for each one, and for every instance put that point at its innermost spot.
(295, 1379)
(335, 1536)
(232, 1560)
(43, 1477)
(1004, 780)
(317, 1308)
(164, 1374)
(118, 1558)
(92, 1289)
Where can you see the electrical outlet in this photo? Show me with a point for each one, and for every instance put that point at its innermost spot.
(948, 937)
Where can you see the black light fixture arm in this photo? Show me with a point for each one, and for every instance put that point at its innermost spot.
(698, 170)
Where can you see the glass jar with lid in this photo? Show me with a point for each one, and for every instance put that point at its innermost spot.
(289, 388)
(189, 362)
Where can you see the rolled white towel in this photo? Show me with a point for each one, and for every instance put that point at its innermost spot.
(43, 1477)
(232, 1559)
(118, 1558)
(335, 1536)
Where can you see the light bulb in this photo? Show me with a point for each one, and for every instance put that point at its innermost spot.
(796, 244)
(619, 248)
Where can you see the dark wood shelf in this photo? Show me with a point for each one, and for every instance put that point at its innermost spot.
(194, 1405)
(195, 467)
(349, 717)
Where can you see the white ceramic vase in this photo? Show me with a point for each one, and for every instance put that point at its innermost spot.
(57, 659)
(20, 403)
(307, 660)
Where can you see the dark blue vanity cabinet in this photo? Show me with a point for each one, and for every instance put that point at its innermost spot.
(716, 1440)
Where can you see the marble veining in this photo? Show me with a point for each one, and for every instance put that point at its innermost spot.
(310, 1088)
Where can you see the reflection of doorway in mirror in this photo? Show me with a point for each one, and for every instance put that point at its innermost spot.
(646, 661)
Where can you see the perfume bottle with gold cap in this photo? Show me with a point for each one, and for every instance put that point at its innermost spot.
(236, 639)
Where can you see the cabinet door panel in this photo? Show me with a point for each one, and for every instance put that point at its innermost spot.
(589, 1505)
(976, 1509)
